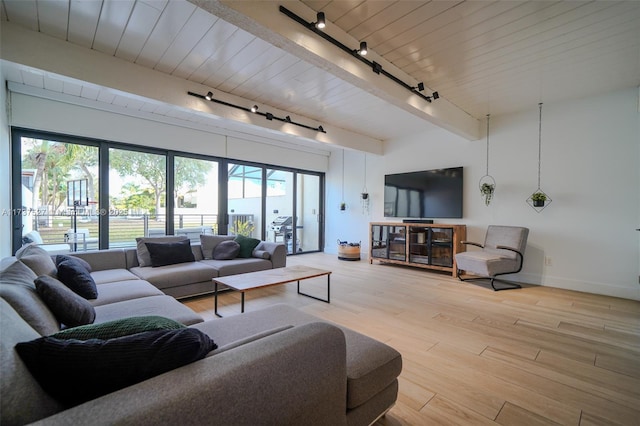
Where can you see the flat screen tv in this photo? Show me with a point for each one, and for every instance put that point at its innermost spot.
(428, 194)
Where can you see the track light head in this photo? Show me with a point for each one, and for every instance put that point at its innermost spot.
(320, 129)
(320, 23)
(363, 48)
(254, 108)
(435, 95)
(209, 96)
(421, 86)
(269, 116)
(287, 119)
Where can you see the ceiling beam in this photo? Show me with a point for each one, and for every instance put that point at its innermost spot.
(264, 20)
(26, 47)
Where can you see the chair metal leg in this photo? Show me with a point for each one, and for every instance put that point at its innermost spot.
(509, 285)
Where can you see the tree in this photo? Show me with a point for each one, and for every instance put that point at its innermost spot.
(152, 169)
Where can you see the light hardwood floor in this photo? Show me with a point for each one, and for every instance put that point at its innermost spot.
(472, 356)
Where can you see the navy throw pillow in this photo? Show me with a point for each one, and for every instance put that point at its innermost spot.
(163, 254)
(77, 278)
(62, 257)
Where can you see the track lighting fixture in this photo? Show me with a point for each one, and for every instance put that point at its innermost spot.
(363, 48)
(320, 23)
(357, 53)
(254, 109)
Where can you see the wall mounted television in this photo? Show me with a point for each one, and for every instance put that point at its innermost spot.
(427, 194)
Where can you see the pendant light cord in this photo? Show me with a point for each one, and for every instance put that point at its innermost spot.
(539, 142)
(343, 175)
(488, 115)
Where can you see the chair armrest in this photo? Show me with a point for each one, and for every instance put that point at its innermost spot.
(471, 243)
(520, 256)
(297, 376)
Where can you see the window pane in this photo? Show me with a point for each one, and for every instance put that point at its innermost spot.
(60, 194)
(137, 190)
(280, 208)
(196, 197)
(245, 200)
(308, 211)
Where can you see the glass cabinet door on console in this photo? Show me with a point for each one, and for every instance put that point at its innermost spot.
(419, 245)
(441, 246)
(388, 242)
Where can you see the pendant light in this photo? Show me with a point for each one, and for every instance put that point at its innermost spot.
(364, 196)
(539, 199)
(343, 205)
(487, 183)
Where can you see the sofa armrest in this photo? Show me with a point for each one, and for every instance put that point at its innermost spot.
(277, 253)
(297, 376)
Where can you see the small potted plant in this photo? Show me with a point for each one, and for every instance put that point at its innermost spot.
(538, 198)
(486, 190)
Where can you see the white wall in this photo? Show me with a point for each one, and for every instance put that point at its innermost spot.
(590, 169)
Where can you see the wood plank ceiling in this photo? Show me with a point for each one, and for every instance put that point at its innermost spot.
(482, 56)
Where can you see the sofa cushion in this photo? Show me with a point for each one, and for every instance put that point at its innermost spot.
(144, 258)
(68, 307)
(119, 328)
(247, 245)
(163, 254)
(209, 242)
(238, 265)
(226, 250)
(124, 290)
(29, 249)
(75, 276)
(75, 371)
(165, 306)
(40, 264)
(63, 257)
(112, 275)
(22, 399)
(175, 275)
(17, 287)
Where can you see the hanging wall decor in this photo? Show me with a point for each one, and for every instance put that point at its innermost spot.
(364, 195)
(539, 199)
(487, 184)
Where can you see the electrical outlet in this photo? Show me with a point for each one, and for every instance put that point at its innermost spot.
(547, 261)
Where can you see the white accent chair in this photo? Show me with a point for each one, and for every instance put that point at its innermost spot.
(502, 253)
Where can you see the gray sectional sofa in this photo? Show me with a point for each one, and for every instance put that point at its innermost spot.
(275, 366)
(183, 279)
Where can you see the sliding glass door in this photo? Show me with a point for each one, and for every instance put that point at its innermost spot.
(59, 193)
(81, 194)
